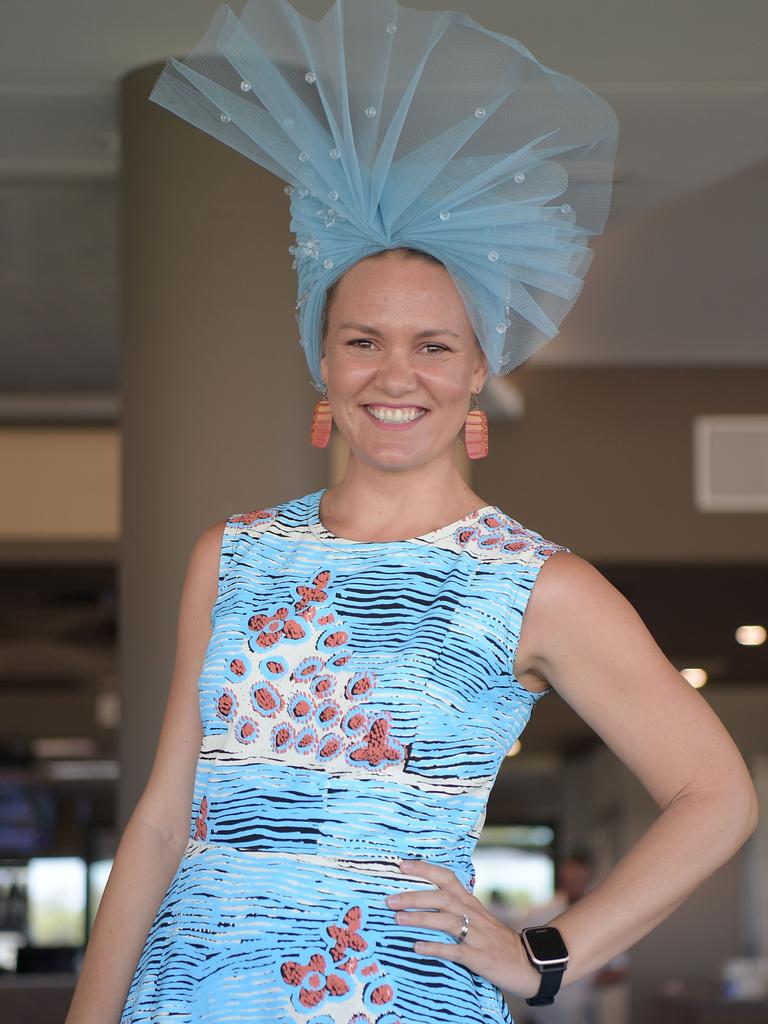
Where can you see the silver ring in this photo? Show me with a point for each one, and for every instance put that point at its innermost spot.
(464, 928)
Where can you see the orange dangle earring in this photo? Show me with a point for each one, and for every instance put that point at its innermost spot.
(476, 432)
(322, 421)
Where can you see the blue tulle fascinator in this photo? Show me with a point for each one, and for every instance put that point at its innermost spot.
(394, 127)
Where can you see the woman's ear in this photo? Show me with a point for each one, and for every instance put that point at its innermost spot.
(482, 370)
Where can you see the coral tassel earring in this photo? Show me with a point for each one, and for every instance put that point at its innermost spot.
(322, 421)
(476, 432)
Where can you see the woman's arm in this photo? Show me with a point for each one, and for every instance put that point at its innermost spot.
(588, 642)
(156, 835)
(144, 864)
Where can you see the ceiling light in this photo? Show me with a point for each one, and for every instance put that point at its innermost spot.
(695, 676)
(751, 636)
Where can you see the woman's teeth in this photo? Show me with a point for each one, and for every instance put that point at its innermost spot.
(381, 412)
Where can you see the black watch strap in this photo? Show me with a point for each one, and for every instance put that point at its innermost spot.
(551, 977)
(545, 948)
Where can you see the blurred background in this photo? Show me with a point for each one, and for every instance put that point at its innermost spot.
(151, 382)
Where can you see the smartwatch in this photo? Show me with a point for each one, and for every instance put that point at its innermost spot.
(548, 953)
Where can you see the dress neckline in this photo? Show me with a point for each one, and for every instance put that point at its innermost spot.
(321, 531)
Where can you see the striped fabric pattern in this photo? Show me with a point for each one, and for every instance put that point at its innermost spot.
(357, 700)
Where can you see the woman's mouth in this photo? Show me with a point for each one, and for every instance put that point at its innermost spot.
(391, 416)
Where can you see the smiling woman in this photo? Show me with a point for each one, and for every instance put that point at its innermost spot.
(355, 663)
(400, 396)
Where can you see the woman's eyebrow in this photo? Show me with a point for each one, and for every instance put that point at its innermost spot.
(422, 334)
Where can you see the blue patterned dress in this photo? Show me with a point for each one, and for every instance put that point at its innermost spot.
(357, 700)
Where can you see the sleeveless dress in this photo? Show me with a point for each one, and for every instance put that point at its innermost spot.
(357, 701)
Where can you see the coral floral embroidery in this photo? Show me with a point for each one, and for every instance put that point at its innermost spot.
(339, 972)
(201, 827)
(226, 705)
(295, 689)
(376, 748)
(271, 630)
(314, 594)
(260, 515)
(502, 533)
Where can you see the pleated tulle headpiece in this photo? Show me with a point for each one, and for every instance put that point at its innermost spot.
(394, 127)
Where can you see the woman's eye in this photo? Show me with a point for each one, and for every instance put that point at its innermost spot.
(365, 342)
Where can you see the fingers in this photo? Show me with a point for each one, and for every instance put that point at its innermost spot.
(437, 873)
(420, 898)
(445, 880)
(443, 920)
(445, 950)
(441, 907)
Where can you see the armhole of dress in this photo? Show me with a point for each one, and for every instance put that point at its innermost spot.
(531, 568)
(229, 538)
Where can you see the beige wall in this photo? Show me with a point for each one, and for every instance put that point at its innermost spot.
(66, 484)
(602, 462)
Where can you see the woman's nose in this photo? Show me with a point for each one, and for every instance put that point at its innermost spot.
(396, 371)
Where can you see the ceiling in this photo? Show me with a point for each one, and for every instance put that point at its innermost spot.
(688, 80)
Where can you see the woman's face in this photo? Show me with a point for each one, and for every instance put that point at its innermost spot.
(400, 360)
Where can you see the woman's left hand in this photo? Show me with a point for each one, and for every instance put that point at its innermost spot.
(489, 948)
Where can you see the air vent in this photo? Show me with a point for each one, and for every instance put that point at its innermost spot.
(730, 463)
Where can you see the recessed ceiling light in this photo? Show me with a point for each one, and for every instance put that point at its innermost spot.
(751, 636)
(695, 676)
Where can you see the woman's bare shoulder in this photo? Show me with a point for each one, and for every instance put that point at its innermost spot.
(563, 579)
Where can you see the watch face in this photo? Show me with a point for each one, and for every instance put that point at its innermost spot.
(546, 944)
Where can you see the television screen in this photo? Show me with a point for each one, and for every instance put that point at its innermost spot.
(27, 819)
